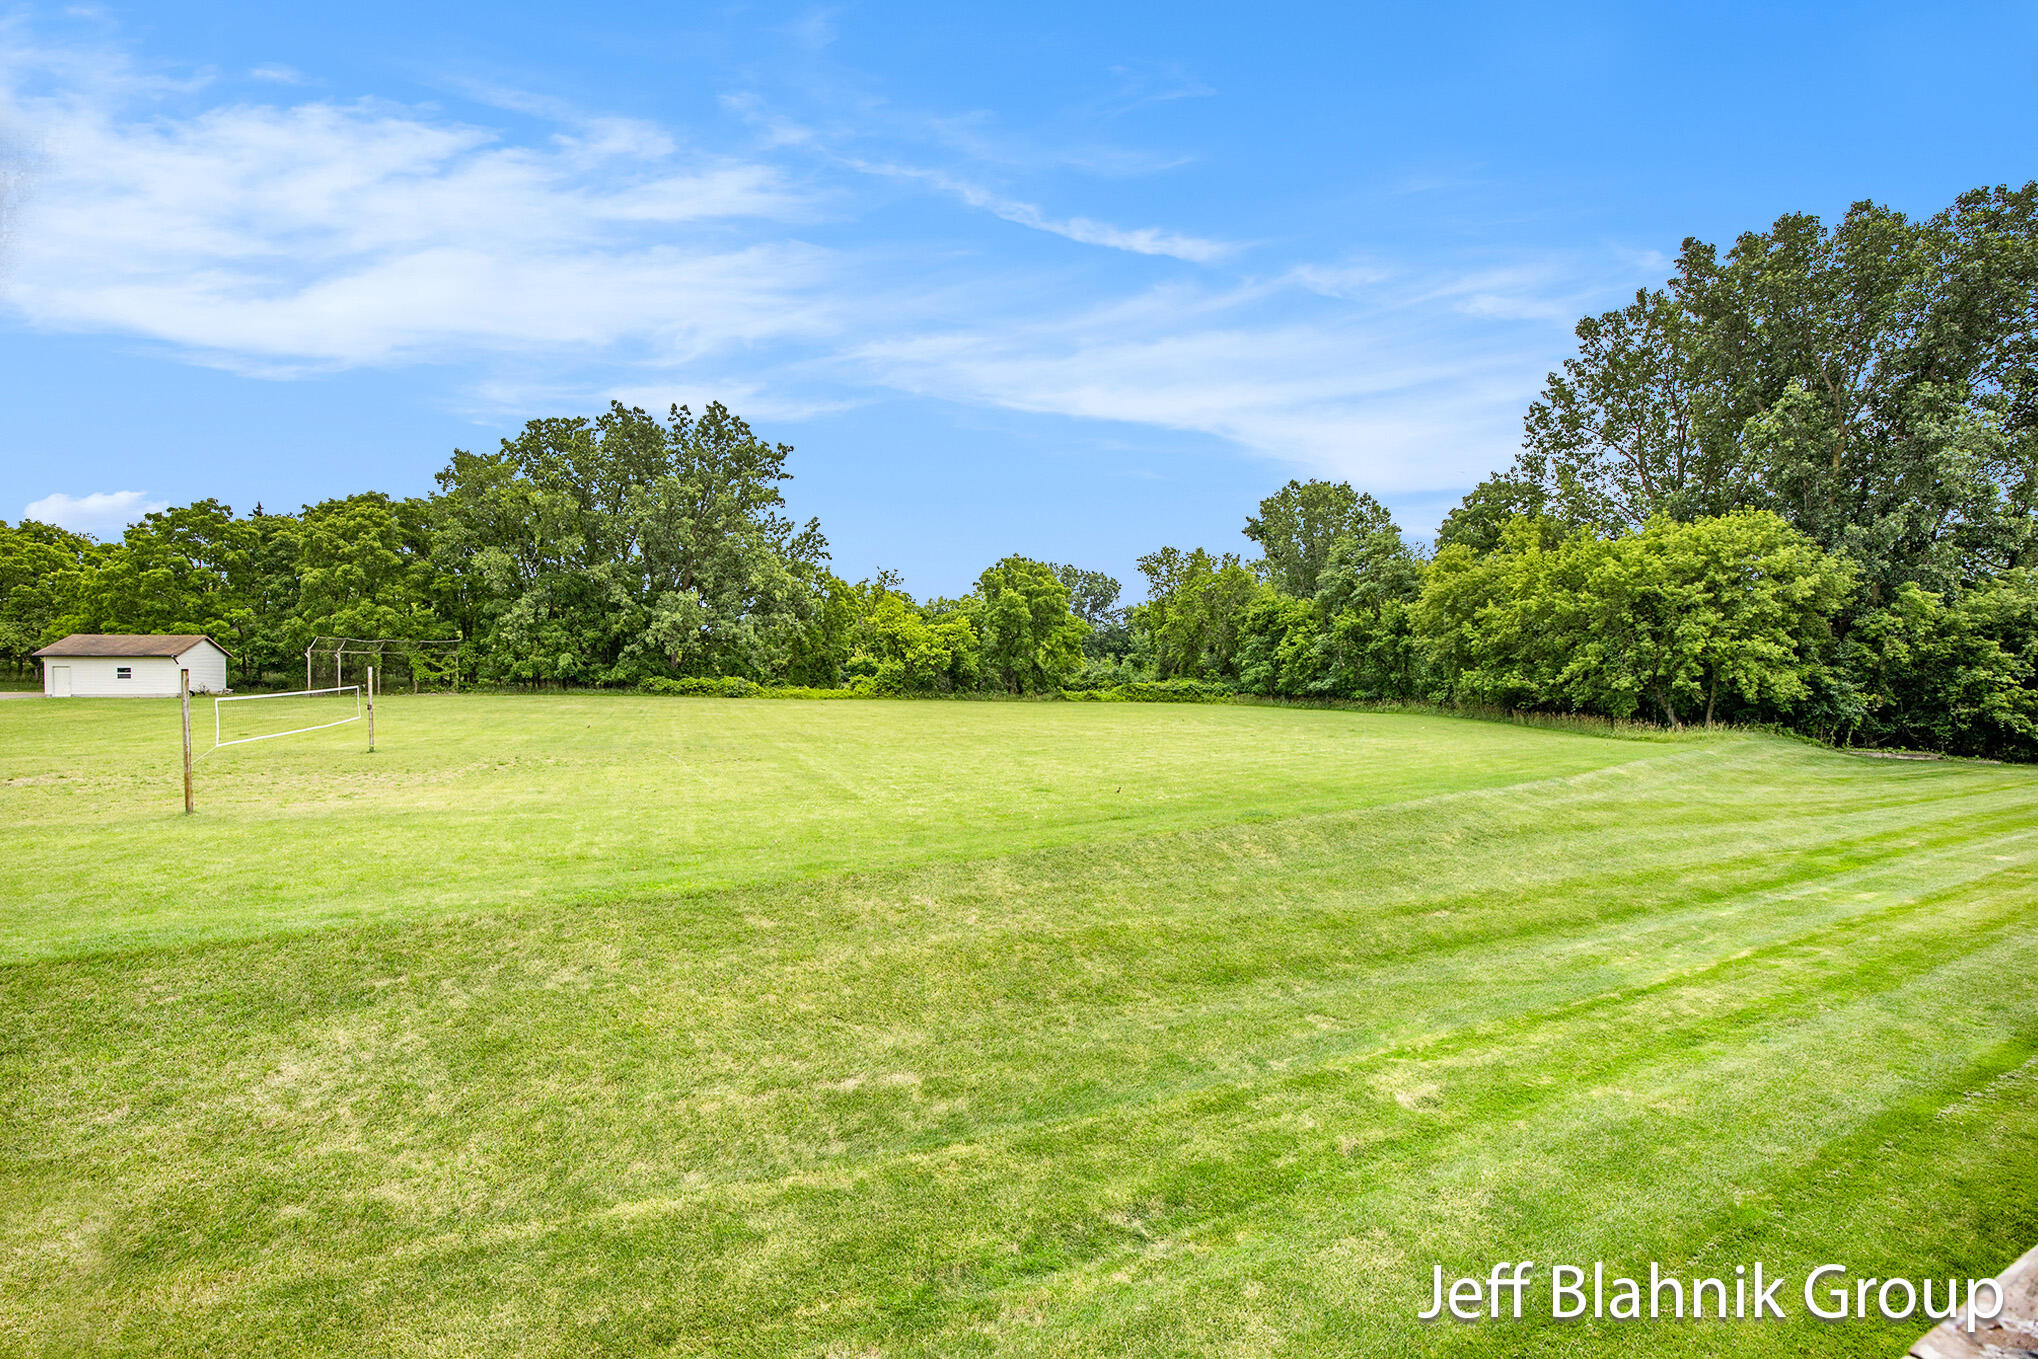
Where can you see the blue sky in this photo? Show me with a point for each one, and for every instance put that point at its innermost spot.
(1068, 280)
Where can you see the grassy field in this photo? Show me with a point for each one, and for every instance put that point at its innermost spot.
(616, 1025)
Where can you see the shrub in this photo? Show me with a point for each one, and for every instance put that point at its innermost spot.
(1156, 691)
(700, 686)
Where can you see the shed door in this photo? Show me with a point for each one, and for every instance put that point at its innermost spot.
(60, 681)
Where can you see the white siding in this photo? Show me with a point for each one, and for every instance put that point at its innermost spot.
(148, 676)
(96, 677)
(208, 669)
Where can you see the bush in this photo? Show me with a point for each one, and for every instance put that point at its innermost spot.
(1156, 691)
(698, 686)
(734, 686)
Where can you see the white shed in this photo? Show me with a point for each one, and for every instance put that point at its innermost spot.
(126, 665)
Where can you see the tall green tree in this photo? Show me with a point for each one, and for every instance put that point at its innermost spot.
(364, 568)
(1093, 597)
(1870, 381)
(1031, 642)
(43, 570)
(626, 546)
(1191, 624)
(190, 568)
(1958, 675)
(1478, 521)
(1365, 597)
(1299, 524)
(1615, 438)
(901, 648)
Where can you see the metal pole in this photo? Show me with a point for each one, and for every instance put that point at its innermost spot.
(184, 697)
(371, 710)
(307, 666)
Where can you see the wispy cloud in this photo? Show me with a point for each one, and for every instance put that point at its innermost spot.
(1394, 402)
(1144, 84)
(1137, 240)
(102, 513)
(962, 133)
(579, 255)
(332, 234)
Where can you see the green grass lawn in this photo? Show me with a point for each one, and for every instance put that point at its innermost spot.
(616, 1025)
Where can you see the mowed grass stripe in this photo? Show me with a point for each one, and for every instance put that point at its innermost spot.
(1066, 995)
(1205, 1115)
(1190, 1092)
(1258, 1165)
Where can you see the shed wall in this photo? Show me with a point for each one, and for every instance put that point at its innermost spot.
(149, 676)
(95, 677)
(208, 669)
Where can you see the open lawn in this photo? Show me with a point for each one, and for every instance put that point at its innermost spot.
(618, 1025)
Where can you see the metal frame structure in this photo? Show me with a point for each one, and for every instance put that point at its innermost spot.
(339, 648)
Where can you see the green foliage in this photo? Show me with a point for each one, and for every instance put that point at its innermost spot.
(1729, 614)
(193, 568)
(1874, 385)
(43, 570)
(1350, 638)
(1093, 597)
(1299, 524)
(898, 649)
(1614, 440)
(1478, 521)
(1871, 382)
(1961, 677)
(1190, 624)
(1280, 641)
(1031, 642)
(606, 550)
(1155, 691)
(699, 686)
(363, 569)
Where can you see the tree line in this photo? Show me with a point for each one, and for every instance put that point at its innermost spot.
(622, 550)
(1795, 486)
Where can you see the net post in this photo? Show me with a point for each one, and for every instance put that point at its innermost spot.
(370, 691)
(184, 698)
(307, 664)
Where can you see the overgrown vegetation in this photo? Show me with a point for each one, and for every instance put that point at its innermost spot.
(1795, 487)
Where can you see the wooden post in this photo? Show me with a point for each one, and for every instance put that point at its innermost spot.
(184, 697)
(371, 710)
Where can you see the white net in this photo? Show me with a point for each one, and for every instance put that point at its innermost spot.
(242, 718)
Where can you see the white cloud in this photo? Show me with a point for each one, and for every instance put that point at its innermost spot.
(961, 134)
(1394, 394)
(608, 255)
(277, 74)
(1138, 240)
(329, 235)
(102, 513)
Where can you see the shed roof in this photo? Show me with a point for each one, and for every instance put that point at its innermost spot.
(128, 644)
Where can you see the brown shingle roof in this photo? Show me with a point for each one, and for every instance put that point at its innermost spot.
(127, 644)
